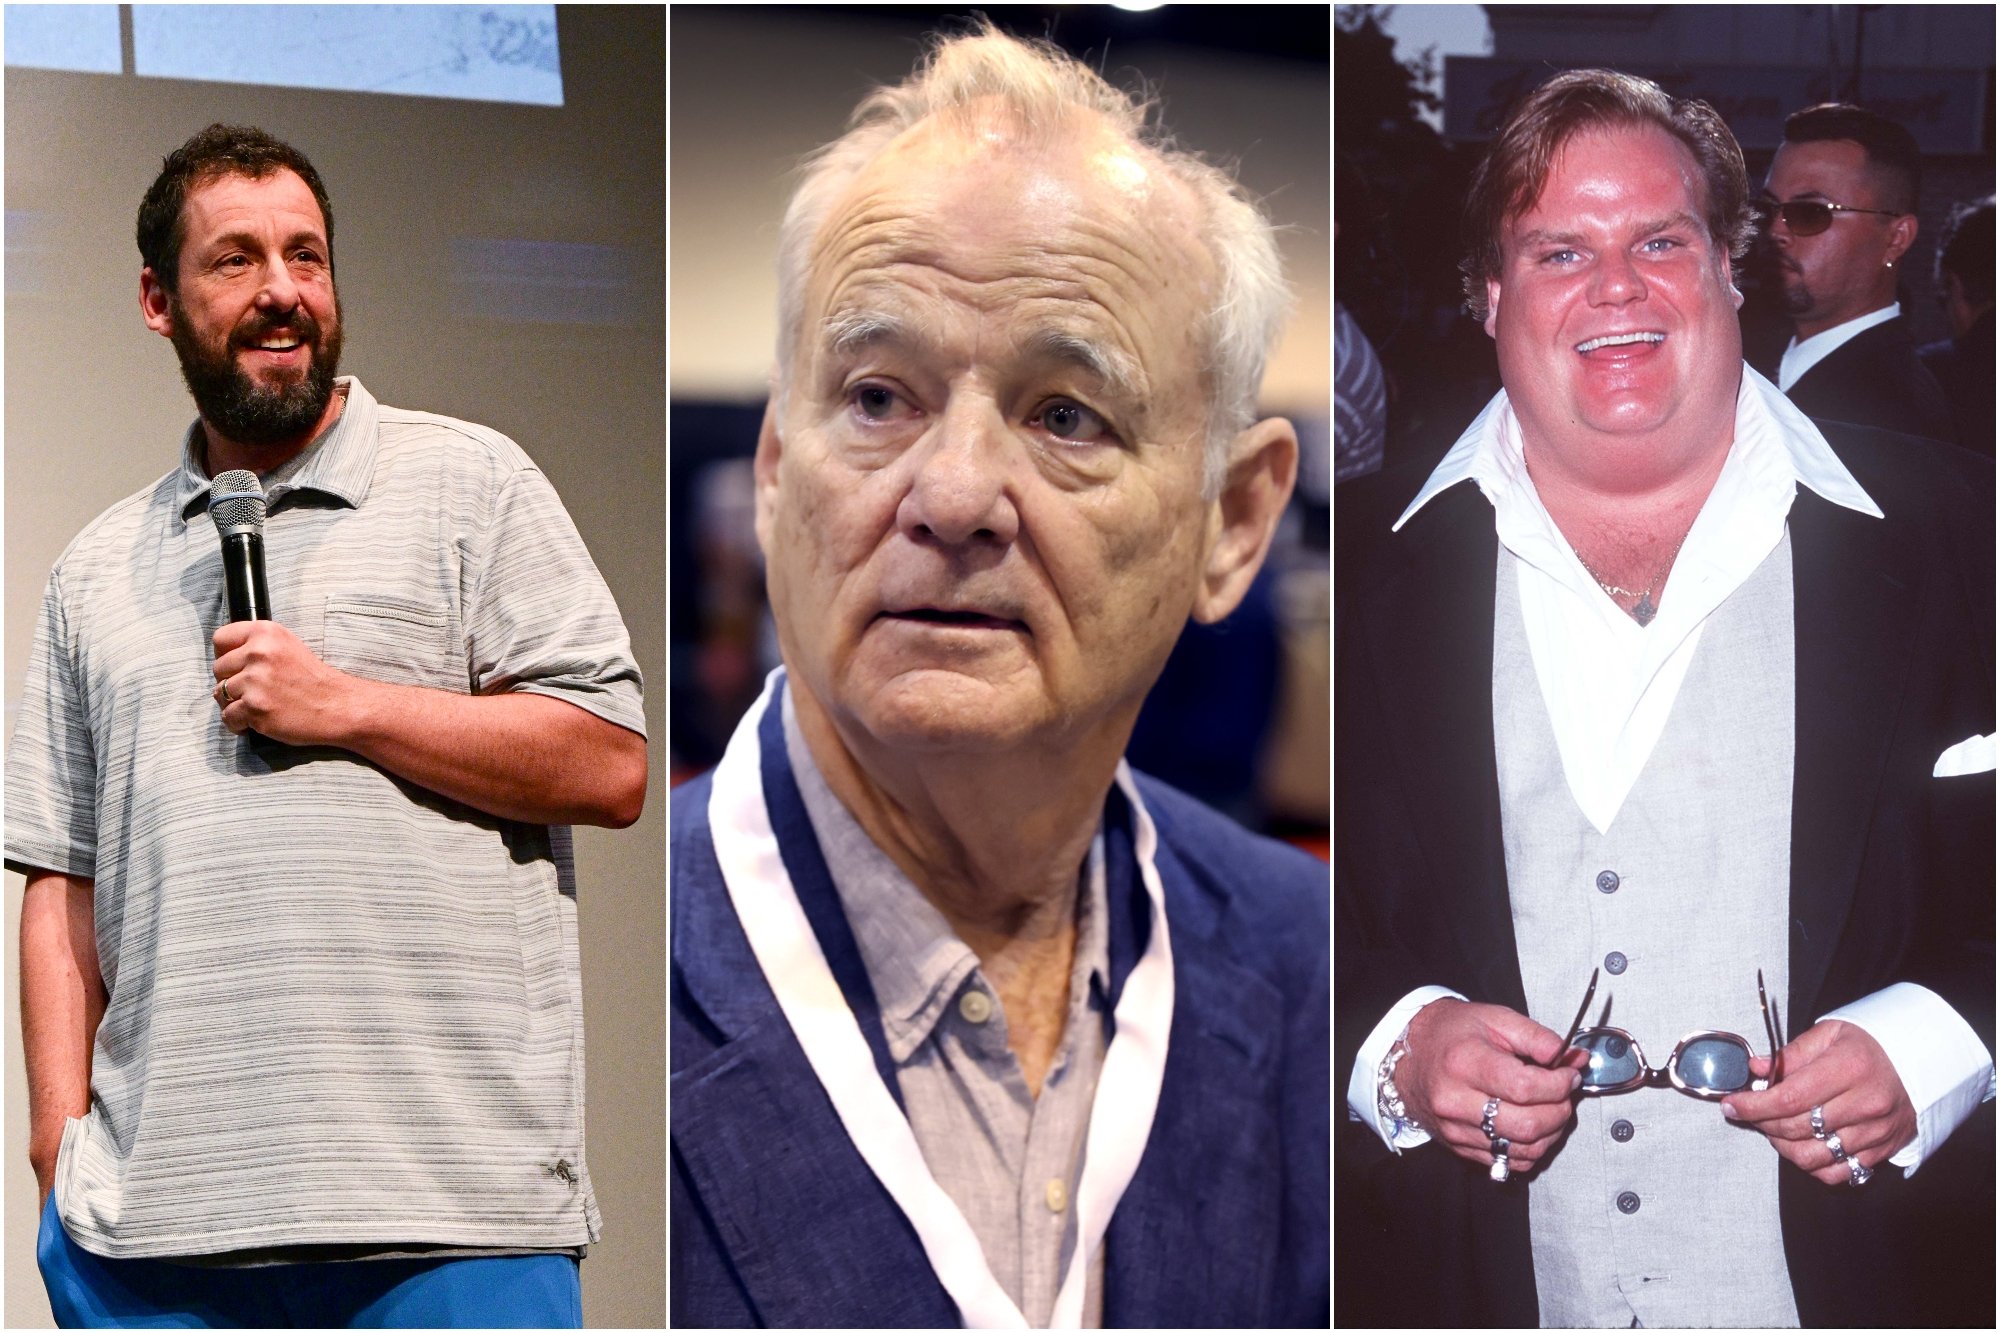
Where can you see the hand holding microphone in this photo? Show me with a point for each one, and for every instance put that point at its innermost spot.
(236, 503)
(267, 680)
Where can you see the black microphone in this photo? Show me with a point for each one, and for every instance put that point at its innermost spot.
(236, 503)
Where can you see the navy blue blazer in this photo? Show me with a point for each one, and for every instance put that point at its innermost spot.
(776, 1220)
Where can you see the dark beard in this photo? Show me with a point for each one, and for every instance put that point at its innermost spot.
(232, 403)
(1797, 300)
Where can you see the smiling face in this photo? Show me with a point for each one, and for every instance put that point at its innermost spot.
(980, 493)
(253, 317)
(1614, 315)
(1843, 272)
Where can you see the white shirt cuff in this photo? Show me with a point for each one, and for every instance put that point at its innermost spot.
(1945, 1067)
(1974, 754)
(1361, 1083)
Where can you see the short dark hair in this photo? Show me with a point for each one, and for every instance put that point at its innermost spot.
(220, 150)
(1892, 151)
(1510, 177)
(1966, 248)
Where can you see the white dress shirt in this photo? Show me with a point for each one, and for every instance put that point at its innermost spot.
(1800, 357)
(1609, 684)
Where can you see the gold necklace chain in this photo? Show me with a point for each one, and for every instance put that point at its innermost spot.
(1646, 608)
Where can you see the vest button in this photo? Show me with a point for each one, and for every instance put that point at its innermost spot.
(1621, 1130)
(1607, 881)
(1614, 963)
(1628, 1203)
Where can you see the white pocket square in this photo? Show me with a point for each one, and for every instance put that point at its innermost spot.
(1974, 754)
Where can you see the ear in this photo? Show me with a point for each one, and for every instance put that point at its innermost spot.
(1492, 306)
(765, 469)
(155, 306)
(1902, 235)
(1263, 463)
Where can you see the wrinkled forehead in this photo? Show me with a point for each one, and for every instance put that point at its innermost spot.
(988, 205)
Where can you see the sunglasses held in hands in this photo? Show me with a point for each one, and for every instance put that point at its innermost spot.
(1706, 1064)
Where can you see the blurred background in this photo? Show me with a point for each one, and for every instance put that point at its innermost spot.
(1240, 716)
(497, 178)
(1420, 88)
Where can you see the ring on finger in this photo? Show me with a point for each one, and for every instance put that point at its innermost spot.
(1486, 1120)
(227, 699)
(1501, 1167)
(1819, 1123)
(1857, 1174)
(1834, 1146)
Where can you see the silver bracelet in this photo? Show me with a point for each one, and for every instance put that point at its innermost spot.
(1389, 1102)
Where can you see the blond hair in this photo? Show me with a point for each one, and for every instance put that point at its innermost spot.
(1041, 89)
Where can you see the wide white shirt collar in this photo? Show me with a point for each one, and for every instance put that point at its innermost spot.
(1800, 356)
(1609, 682)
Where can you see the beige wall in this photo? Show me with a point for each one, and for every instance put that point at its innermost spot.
(753, 92)
(94, 410)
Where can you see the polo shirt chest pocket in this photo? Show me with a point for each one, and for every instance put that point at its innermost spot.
(395, 640)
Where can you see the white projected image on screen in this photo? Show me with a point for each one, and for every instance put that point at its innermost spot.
(76, 37)
(485, 53)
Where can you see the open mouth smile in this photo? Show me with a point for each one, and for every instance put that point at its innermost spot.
(1620, 340)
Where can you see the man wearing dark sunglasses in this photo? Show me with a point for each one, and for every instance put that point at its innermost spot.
(1692, 696)
(1840, 205)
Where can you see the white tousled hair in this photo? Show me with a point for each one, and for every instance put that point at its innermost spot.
(1041, 89)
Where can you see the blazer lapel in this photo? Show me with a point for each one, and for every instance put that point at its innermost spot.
(1857, 596)
(1195, 1239)
(1432, 624)
(815, 1240)
(812, 1235)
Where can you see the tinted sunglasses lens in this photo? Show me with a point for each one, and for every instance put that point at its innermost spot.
(1806, 218)
(1715, 1064)
(1612, 1059)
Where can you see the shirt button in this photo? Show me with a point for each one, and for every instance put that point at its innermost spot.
(1607, 881)
(976, 1006)
(1621, 1130)
(1628, 1203)
(1614, 963)
(1057, 1195)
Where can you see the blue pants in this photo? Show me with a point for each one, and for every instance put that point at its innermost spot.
(516, 1291)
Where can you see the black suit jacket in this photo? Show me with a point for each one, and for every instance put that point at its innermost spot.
(1963, 367)
(1875, 379)
(1892, 871)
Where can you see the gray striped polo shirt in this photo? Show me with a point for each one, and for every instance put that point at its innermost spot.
(344, 1010)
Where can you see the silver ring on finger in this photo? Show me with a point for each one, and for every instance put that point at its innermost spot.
(1833, 1145)
(1857, 1174)
(1486, 1119)
(1501, 1167)
(1819, 1123)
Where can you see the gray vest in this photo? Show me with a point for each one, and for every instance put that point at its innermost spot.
(1655, 1207)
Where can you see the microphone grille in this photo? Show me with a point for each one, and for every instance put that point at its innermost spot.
(236, 503)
